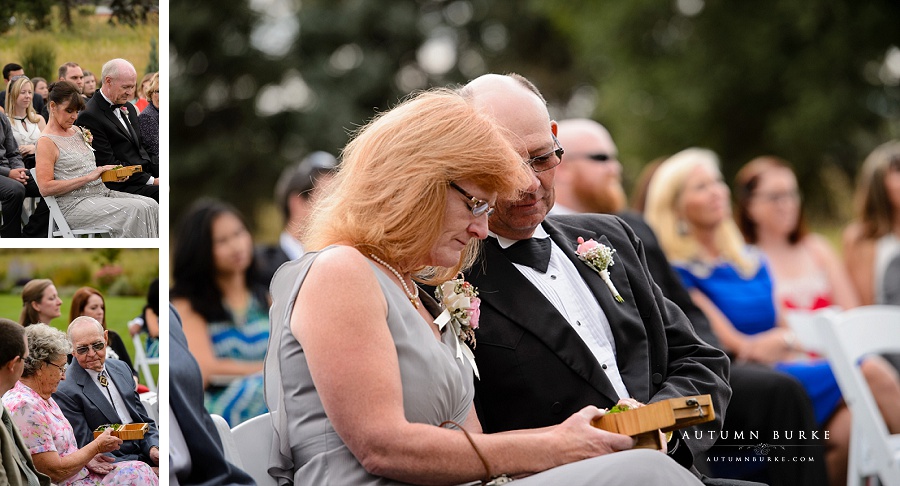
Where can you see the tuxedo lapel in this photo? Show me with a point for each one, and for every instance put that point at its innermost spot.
(503, 287)
(629, 333)
(110, 115)
(94, 394)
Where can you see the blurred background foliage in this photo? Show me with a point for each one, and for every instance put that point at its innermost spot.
(257, 84)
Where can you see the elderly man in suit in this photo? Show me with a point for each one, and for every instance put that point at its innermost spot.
(16, 465)
(99, 391)
(553, 336)
(114, 124)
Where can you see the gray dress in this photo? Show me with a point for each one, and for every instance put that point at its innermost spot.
(93, 205)
(436, 387)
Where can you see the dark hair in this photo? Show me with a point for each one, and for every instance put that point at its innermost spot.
(153, 296)
(193, 266)
(65, 92)
(302, 178)
(745, 183)
(12, 340)
(64, 69)
(10, 68)
(80, 300)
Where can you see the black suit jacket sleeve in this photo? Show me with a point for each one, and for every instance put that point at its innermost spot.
(536, 370)
(209, 467)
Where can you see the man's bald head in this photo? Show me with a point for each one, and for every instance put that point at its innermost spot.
(518, 107)
(591, 179)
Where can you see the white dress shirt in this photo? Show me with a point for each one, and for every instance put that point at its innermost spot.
(563, 286)
(111, 393)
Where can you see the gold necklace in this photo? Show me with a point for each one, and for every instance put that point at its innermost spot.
(413, 297)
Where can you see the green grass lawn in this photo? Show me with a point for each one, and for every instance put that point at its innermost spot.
(119, 310)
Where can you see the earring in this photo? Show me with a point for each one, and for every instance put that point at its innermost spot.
(682, 228)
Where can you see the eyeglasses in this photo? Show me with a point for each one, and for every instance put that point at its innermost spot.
(546, 162)
(155, 91)
(598, 157)
(478, 206)
(62, 369)
(95, 346)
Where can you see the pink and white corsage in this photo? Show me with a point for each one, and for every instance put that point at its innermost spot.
(462, 308)
(599, 257)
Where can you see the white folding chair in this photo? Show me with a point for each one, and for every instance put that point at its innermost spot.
(142, 362)
(253, 440)
(849, 335)
(228, 445)
(58, 224)
(807, 327)
(150, 400)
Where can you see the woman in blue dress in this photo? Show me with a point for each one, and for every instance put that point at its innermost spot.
(688, 205)
(224, 308)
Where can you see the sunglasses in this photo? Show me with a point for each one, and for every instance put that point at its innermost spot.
(598, 157)
(97, 346)
(478, 206)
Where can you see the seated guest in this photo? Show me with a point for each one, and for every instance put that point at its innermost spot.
(807, 273)
(40, 302)
(15, 183)
(101, 391)
(41, 87)
(27, 126)
(90, 85)
(10, 71)
(871, 242)
(113, 122)
(429, 172)
(142, 100)
(297, 187)
(196, 456)
(66, 169)
(16, 466)
(149, 118)
(47, 431)
(590, 181)
(224, 308)
(689, 209)
(89, 302)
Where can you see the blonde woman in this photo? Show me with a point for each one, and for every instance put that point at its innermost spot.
(872, 241)
(688, 205)
(27, 125)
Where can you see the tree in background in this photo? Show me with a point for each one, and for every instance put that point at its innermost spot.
(37, 14)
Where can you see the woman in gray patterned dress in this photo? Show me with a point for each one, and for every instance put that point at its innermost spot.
(366, 387)
(66, 168)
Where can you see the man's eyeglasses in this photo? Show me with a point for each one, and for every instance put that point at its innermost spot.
(95, 346)
(549, 160)
(478, 206)
(62, 369)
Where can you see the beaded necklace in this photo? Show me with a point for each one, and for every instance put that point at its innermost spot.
(413, 297)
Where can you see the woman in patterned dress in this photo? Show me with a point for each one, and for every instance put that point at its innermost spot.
(45, 430)
(66, 168)
(224, 308)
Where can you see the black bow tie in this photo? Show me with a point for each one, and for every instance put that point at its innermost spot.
(532, 252)
(116, 107)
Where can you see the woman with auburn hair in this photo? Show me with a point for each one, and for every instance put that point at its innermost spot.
(40, 302)
(409, 203)
(872, 241)
(88, 301)
(807, 272)
(688, 206)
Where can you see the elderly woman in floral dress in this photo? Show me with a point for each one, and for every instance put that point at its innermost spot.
(45, 430)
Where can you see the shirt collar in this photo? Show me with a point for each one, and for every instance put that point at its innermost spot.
(539, 233)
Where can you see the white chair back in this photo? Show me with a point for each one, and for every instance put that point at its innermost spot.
(848, 336)
(58, 224)
(150, 400)
(808, 328)
(142, 362)
(253, 440)
(228, 445)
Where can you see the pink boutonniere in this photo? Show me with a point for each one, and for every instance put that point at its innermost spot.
(124, 109)
(599, 257)
(462, 309)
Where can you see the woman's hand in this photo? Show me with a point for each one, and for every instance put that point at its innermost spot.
(101, 464)
(26, 149)
(583, 440)
(95, 174)
(769, 347)
(106, 442)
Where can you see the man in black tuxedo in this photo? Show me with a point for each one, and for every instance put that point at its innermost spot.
(590, 182)
(113, 120)
(552, 337)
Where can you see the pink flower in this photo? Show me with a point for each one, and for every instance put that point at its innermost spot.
(474, 312)
(586, 246)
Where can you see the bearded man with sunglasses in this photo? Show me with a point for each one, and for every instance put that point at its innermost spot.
(99, 391)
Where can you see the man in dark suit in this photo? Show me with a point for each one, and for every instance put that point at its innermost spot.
(589, 182)
(113, 120)
(199, 461)
(554, 339)
(99, 391)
